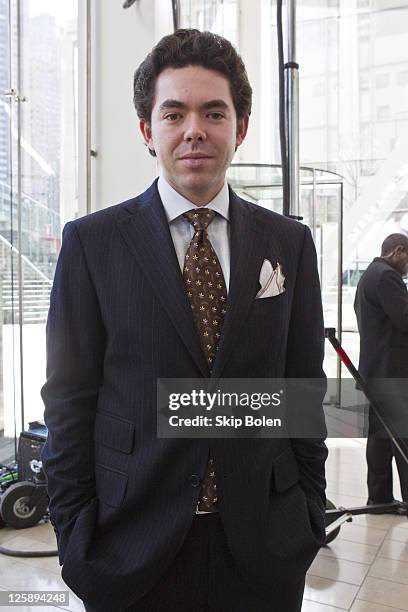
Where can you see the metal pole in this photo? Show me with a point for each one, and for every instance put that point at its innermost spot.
(313, 215)
(175, 10)
(292, 109)
(89, 151)
(19, 212)
(340, 282)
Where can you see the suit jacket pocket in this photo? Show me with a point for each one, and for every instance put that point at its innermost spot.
(286, 474)
(272, 301)
(110, 485)
(317, 517)
(114, 432)
(285, 471)
(80, 537)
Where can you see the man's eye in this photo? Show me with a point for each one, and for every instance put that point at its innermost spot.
(216, 115)
(172, 116)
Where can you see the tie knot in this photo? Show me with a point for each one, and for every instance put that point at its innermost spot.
(200, 218)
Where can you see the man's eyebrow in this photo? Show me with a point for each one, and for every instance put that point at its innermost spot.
(206, 106)
(171, 104)
(215, 104)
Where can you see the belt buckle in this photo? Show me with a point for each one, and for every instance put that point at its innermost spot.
(201, 511)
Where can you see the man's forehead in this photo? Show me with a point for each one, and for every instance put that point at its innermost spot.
(192, 84)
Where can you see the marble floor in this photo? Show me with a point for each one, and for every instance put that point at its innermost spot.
(365, 569)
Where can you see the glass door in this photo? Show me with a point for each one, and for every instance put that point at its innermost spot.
(38, 191)
(10, 262)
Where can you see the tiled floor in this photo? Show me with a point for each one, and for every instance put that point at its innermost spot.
(364, 570)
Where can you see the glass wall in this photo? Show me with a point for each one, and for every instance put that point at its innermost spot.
(219, 16)
(320, 208)
(38, 190)
(353, 114)
(354, 121)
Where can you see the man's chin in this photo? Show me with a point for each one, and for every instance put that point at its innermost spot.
(199, 185)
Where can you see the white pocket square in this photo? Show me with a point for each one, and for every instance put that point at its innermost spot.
(271, 280)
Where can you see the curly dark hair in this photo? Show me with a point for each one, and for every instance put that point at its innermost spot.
(191, 48)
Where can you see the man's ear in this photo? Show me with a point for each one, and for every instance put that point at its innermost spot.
(146, 133)
(399, 250)
(242, 128)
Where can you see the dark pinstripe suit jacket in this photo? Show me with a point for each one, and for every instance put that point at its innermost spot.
(121, 500)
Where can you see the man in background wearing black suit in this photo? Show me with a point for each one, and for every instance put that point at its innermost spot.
(381, 307)
(186, 280)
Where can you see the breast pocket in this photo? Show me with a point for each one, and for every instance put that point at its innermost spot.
(270, 315)
(268, 304)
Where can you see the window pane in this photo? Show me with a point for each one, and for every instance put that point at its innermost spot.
(353, 111)
(9, 353)
(49, 178)
(49, 169)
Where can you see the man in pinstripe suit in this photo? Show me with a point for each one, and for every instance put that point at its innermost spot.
(148, 523)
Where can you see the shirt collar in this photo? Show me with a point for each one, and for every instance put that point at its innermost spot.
(175, 204)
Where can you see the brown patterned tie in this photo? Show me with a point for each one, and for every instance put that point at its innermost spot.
(205, 286)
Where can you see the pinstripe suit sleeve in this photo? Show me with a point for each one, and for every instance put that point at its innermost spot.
(304, 360)
(75, 349)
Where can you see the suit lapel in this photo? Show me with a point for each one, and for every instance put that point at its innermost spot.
(249, 241)
(147, 234)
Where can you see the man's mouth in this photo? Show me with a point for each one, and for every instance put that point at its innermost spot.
(196, 156)
(195, 160)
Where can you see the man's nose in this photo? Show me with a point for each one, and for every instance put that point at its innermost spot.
(195, 131)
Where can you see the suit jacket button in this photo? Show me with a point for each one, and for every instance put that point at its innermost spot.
(195, 480)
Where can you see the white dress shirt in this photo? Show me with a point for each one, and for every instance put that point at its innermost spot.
(182, 231)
